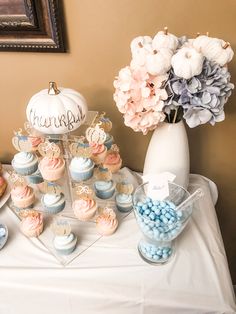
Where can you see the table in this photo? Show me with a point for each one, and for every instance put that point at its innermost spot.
(110, 277)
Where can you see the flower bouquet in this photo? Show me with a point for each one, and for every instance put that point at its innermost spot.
(170, 79)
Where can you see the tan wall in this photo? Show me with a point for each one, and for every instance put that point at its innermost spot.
(99, 33)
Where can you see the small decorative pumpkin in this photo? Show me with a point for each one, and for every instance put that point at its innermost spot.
(140, 47)
(159, 62)
(187, 62)
(79, 149)
(219, 51)
(56, 111)
(164, 39)
(95, 134)
(200, 42)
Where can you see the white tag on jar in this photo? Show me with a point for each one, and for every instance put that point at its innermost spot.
(158, 187)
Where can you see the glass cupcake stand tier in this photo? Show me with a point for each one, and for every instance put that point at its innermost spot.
(86, 232)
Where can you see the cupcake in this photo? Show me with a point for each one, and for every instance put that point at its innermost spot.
(35, 178)
(65, 244)
(3, 186)
(109, 141)
(35, 141)
(84, 208)
(32, 224)
(107, 222)
(124, 202)
(52, 169)
(22, 196)
(104, 189)
(81, 168)
(25, 163)
(98, 153)
(53, 203)
(124, 197)
(113, 161)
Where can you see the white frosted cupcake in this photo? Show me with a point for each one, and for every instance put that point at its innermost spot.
(81, 169)
(65, 244)
(124, 202)
(25, 163)
(53, 203)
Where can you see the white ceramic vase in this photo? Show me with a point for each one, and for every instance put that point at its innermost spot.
(168, 150)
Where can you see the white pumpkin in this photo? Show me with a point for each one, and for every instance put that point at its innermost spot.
(164, 39)
(140, 47)
(200, 42)
(217, 50)
(159, 62)
(56, 111)
(187, 62)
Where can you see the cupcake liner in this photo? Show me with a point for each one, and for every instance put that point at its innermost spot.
(35, 178)
(54, 209)
(82, 176)
(108, 143)
(66, 251)
(104, 194)
(33, 233)
(26, 171)
(124, 209)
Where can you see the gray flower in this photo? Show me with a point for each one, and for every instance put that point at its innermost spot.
(203, 96)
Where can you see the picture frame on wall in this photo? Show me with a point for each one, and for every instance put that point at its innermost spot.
(32, 25)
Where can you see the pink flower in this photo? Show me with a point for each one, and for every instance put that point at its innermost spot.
(140, 97)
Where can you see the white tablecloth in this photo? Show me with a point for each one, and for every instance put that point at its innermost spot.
(111, 278)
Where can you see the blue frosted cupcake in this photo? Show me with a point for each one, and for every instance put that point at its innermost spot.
(81, 169)
(124, 202)
(53, 203)
(65, 244)
(35, 178)
(104, 189)
(109, 141)
(25, 163)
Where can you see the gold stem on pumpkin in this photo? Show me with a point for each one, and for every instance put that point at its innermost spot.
(140, 45)
(198, 34)
(226, 45)
(53, 90)
(166, 30)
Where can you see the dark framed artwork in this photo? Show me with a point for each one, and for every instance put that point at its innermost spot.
(31, 25)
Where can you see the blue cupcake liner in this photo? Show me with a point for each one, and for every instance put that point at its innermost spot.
(27, 170)
(35, 178)
(82, 176)
(55, 208)
(66, 251)
(108, 143)
(104, 194)
(125, 209)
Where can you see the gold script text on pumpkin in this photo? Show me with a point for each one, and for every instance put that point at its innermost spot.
(68, 119)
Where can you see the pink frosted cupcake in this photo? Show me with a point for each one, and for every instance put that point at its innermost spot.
(22, 196)
(32, 224)
(99, 153)
(113, 162)
(35, 141)
(84, 208)
(52, 169)
(107, 222)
